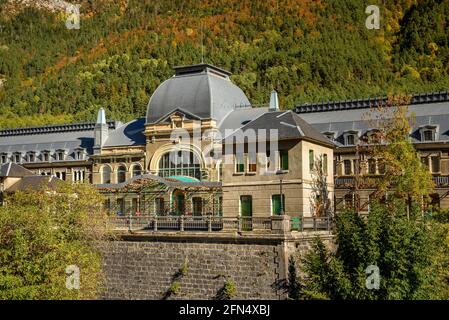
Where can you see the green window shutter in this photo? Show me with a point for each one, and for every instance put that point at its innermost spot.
(239, 161)
(246, 206)
(284, 159)
(276, 204)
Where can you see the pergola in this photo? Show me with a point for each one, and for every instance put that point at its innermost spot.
(154, 195)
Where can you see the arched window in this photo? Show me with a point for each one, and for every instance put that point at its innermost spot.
(180, 163)
(137, 170)
(106, 174)
(121, 174)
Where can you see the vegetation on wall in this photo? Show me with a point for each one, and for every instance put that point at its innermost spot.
(307, 50)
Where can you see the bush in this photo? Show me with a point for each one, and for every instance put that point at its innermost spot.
(44, 232)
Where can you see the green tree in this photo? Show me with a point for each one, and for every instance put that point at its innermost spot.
(408, 253)
(44, 232)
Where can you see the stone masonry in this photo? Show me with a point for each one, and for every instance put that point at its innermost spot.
(152, 266)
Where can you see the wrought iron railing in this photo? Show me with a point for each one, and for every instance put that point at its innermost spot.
(311, 223)
(370, 181)
(441, 181)
(217, 223)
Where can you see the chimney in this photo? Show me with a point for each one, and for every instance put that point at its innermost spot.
(274, 101)
(100, 131)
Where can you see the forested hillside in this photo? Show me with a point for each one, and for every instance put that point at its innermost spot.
(308, 50)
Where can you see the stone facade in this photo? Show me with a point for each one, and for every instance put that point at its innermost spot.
(146, 267)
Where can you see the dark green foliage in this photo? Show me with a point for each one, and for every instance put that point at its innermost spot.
(409, 254)
(294, 285)
(307, 50)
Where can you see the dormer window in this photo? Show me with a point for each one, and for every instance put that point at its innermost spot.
(17, 157)
(60, 155)
(373, 136)
(3, 158)
(428, 133)
(79, 154)
(350, 137)
(31, 156)
(45, 156)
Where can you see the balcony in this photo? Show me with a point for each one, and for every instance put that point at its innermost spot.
(271, 224)
(441, 182)
(364, 182)
(367, 182)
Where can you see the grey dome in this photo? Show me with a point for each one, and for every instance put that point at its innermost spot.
(203, 91)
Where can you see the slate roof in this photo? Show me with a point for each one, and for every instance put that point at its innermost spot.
(343, 116)
(67, 137)
(128, 134)
(288, 125)
(203, 90)
(239, 117)
(13, 170)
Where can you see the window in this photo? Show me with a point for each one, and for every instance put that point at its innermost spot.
(60, 155)
(349, 201)
(372, 166)
(79, 175)
(197, 204)
(350, 140)
(79, 155)
(239, 163)
(435, 161)
(374, 136)
(276, 205)
(17, 157)
(428, 135)
(121, 174)
(283, 159)
(348, 167)
(159, 205)
(246, 206)
(325, 163)
(105, 174)
(137, 170)
(61, 175)
(381, 167)
(311, 160)
(31, 157)
(252, 162)
(45, 157)
(120, 206)
(4, 158)
(180, 163)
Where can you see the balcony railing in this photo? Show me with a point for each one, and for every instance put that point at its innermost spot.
(214, 223)
(441, 181)
(311, 223)
(369, 181)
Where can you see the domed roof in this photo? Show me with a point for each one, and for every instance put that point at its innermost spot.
(203, 91)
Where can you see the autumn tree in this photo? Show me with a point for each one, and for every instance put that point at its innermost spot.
(404, 175)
